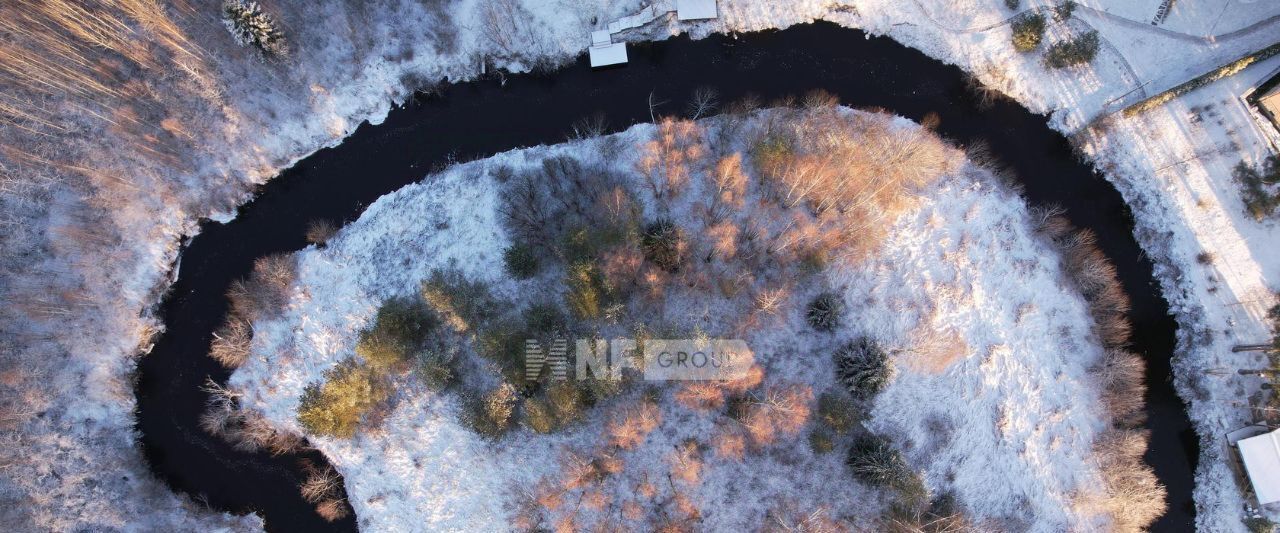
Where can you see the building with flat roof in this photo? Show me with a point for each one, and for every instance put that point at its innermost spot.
(1261, 457)
(608, 54)
(695, 9)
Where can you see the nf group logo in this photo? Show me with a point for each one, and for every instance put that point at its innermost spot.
(654, 359)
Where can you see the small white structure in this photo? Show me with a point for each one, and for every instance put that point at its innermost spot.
(695, 9)
(604, 52)
(1261, 456)
(608, 54)
(601, 38)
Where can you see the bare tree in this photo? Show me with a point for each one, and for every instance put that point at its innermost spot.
(705, 101)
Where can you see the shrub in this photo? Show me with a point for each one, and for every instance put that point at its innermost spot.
(463, 304)
(320, 231)
(1122, 377)
(252, 27)
(521, 261)
(737, 407)
(863, 368)
(255, 432)
(320, 484)
(504, 344)
(333, 510)
(399, 329)
(837, 411)
(1134, 497)
(231, 342)
(587, 296)
(825, 312)
(780, 410)
(545, 318)
(664, 244)
(1258, 524)
(336, 407)
(814, 260)
(874, 461)
(630, 425)
(1259, 201)
(1028, 31)
(1063, 10)
(567, 401)
(538, 416)
(1077, 51)
(266, 290)
(323, 487)
(1012, 4)
(940, 516)
(436, 369)
(820, 441)
(490, 416)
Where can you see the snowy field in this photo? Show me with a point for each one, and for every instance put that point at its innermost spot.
(963, 266)
(1172, 165)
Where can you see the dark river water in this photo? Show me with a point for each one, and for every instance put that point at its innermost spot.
(473, 120)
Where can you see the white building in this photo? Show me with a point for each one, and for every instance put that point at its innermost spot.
(1261, 457)
(695, 9)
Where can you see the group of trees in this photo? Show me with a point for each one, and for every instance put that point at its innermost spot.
(1257, 187)
(1134, 497)
(1028, 30)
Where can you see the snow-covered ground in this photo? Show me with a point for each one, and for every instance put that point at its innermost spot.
(351, 68)
(963, 263)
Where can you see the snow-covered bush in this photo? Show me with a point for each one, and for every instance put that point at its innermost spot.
(1258, 524)
(873, 460)
(320, 231)
(337, 406)
(503, 345)
(545, 318)
(821, 441)
(942, 515)
(863, 367)
(587, 297)
(398, 331)
(490, 414)
(664, 244)
(231, 342)
(537, 416)
(506, 24)
(825, 312)
(266, 291)
(252, 27)
(521, 261)
(323, 487)
(436, 369)
(1028, 31)
(464, 304)
(1133, 497)
(1078, 50)
(1257, 187)
(837, 411)
(1063, 10)
(567, 402)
